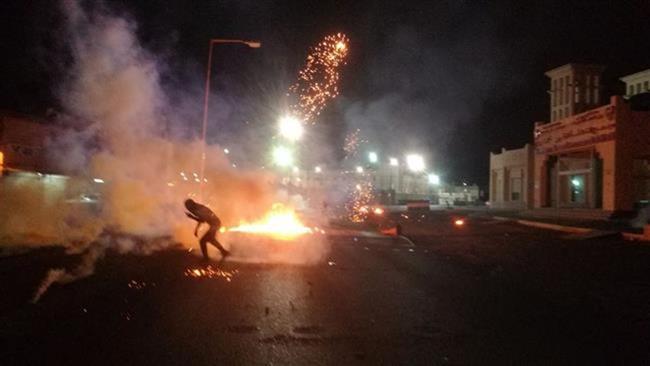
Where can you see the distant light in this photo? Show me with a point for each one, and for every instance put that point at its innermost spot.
(459, 222)
(434, 179)
(234, 165)
(290, 128)
(205, 180)
(378, 211)
(415, 162)
(98, 180)
(372, 157)
(359, 169)
(182, 174)
(197, 180)
(170, 184)
(318, 169)
(465, 184)
(226, 151)
(393, 161)
(295, 170)
(282, 156)
(196, 175)
(575, 182)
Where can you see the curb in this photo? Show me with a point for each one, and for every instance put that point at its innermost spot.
(556, 227)
(635, 237)
(573, 229)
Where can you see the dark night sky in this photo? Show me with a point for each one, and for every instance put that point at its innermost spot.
(464, 77)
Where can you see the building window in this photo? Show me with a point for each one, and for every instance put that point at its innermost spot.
(646, 86)
(553, 116)
(576, 91)
(561, 91)
(566, 89)
(554, 92)
(630, 89)
(638, 88)
(587, 89)
(566, 112)
(515, 189)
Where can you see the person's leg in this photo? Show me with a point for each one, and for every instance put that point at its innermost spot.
(213, 240)
(204, 246)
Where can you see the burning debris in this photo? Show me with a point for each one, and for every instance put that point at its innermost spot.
(209, 272)
(280, 223)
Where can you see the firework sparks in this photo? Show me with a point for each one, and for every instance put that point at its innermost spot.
(360, 197)
(209, 272)
(352, 142)
(318, 80)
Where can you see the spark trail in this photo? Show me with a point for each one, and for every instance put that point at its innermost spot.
(318, 80)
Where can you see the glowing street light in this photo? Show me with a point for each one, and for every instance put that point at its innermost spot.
(415, 162)
(359, 169)
(434, 179)
(318, 169)
(372, 157)
(393, 161)
(282, 156)
(290, 128)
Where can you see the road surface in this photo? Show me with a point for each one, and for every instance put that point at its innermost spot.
(489, 292)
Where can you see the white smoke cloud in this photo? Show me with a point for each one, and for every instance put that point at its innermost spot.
(114, 92)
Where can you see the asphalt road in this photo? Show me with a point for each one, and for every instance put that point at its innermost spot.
(489, 292)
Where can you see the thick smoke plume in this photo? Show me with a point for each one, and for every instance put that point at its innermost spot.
(120, 110)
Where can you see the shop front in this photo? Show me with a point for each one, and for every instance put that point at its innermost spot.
(593, 160)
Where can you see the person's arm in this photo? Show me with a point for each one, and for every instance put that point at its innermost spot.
(192, 216)
(196, 229)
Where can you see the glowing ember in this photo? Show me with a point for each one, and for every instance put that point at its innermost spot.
(209, 272)
(459, 222)
(280, 223)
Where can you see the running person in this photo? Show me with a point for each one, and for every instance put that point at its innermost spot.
(202, 214)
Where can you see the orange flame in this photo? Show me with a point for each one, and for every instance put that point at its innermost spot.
(279, 223)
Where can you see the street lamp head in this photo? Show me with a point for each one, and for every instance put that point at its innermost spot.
(415, 162)
(254, 44)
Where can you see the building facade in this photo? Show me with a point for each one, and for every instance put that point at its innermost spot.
(511, 184)
(598, 159)
(22, 143)
(637, 83)
(575, 88)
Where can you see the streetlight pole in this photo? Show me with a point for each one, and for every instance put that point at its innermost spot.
(251, 44)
